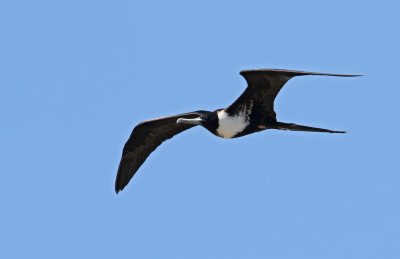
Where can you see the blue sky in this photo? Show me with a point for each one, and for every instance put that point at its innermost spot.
(76, 76)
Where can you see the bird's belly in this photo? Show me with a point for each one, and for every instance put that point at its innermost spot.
(230, 126)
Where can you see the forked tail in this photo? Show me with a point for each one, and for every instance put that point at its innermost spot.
(295, 127)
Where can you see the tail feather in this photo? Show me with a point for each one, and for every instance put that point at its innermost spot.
(295, 127)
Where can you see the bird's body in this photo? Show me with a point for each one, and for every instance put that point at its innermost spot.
(229, 126)
(252, 112)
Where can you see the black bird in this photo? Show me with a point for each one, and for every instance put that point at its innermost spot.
(252, 112)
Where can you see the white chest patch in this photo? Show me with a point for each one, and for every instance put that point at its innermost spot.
(229, 126)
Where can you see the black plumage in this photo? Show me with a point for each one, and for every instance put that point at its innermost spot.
(252, 112)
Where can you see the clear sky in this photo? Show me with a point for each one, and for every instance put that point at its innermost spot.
(76, 76)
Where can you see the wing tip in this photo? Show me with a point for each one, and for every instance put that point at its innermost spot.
(118, 186)
(123, 175)
(338, 131)
(292, 72)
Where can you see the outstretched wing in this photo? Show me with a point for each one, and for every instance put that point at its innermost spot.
(263, 87)
(145, 138)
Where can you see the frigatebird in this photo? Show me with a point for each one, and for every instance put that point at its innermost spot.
(252, 112)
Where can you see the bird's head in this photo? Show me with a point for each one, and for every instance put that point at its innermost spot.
(208, 120)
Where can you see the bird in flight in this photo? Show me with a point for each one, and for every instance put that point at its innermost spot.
(252, 112)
